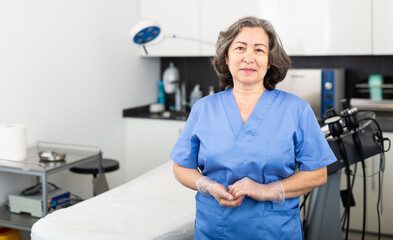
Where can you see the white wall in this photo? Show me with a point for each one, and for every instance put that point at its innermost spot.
(67, 70)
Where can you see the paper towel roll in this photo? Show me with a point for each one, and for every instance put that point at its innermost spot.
(13, 142)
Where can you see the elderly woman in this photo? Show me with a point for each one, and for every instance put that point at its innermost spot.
(250, 150)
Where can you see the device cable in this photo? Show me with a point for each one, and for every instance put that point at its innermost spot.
(359, 148)
(380, 143)
(305, 213)
(350, 116)
(343, 153)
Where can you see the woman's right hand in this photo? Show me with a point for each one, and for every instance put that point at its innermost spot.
(207, 186)
(223, 197)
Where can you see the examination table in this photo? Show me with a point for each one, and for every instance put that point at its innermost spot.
(152, 206)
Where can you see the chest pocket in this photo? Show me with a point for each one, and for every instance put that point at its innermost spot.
(280, 160)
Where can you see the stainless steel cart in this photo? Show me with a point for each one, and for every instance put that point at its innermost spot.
(75, 155)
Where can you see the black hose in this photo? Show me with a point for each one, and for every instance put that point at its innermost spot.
(305, 218)
(304, 199)
(343, 153)
(378, 201)
(354, 175)
(359, 149)
(381, 147)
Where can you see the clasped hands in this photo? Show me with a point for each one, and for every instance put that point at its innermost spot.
(234, 195)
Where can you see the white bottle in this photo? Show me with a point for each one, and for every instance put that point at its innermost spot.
(178, 100)
(211, 90)
(196, 94)
(171, 78)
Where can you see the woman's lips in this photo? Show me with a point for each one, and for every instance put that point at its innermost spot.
(247, 70)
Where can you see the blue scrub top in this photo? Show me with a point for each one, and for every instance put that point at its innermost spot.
(280, 137)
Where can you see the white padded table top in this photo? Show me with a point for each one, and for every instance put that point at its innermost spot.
(152, 206)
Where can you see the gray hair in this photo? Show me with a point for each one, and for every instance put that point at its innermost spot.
(278, 59)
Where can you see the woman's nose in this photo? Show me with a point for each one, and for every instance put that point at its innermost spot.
(248, 57)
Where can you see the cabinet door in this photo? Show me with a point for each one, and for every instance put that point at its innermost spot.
(148, 143)
(326, 27)
(218, 15)
(383, 27)
(176, 17)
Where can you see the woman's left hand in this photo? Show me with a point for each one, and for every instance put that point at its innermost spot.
(249, 188)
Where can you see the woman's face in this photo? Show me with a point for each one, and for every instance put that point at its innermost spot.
(248, 54)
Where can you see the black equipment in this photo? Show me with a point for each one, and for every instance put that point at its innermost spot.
(353, 137)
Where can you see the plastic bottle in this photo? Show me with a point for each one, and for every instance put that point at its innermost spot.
(196, 94)
(211, 90)
(171, 78)
(161, 96)
(375, 82)
(178, 100)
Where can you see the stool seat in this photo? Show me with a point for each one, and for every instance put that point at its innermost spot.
(108, 165)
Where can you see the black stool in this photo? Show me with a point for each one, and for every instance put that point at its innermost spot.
(99, 184)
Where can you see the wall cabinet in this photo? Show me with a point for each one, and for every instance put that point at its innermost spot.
(306, 27)
(176, 17)
(325, 27)
(148, 143)
(383, 27)
(215, 17)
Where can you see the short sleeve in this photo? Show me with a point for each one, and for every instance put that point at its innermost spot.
(185, 151)
(311, 147)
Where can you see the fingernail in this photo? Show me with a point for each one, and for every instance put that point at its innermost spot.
(230, 198)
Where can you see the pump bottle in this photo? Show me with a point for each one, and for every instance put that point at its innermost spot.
(196, 94)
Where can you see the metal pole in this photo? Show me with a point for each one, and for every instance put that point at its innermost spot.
(44, 194)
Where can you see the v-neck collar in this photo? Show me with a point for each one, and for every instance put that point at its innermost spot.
(256, 117)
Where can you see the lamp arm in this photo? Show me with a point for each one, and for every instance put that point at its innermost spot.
(189, 39)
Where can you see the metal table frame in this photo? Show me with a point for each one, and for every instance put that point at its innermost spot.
(75, 155)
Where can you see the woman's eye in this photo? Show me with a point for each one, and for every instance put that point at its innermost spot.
(260, 50)
(240, 48)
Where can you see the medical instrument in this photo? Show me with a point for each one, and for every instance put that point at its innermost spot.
(30, 200)
(325, 87)
(51, 156)
(353, 138)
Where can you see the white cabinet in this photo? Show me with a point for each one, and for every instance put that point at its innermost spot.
(325, 27)
(372, 165)
(383, 27)
(218, 15)
(148, 143)
(201, 20)
(306, 27)
(176, 17)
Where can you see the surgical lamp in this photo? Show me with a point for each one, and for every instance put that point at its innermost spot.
(148, 32)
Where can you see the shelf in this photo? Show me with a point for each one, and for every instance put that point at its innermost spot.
(14, 220)
(372, 105)
(365, 85)
(34, 166)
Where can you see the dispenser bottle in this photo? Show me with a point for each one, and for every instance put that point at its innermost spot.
(161, 95)
(211, 90)
(196, 94)
(171, 79)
